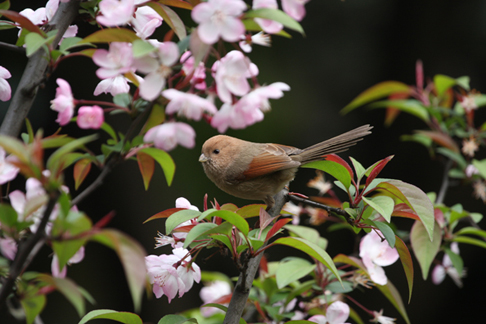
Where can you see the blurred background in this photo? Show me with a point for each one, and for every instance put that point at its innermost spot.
(348, 47)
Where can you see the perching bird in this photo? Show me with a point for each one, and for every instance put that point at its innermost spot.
(258, 171)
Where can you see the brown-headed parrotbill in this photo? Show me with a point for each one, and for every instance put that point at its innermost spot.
(258, 171)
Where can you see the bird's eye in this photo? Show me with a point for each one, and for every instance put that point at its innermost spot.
(216, 151)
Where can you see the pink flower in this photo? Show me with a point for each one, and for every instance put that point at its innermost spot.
(336, 313)
(8, 171)
(447, 268)
(268, 26)
(76, 258)
(115, 85)
(198, 74)
(115, 62)
(259, 96)
(145, 21)
(375, 255)
(115, 12)
(211, 293)
(5, 90)
(169, 276)
(182, 202)
(43, 15)
(90, 117)
(219, 18)
(294, 8)
(158, 68)
(8, 246)
(168, 135)
(187, 104)
(63, 103)
(231, 75)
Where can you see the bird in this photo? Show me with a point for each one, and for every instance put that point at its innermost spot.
(258, 171)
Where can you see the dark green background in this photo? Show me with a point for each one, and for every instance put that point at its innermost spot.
(349, 46)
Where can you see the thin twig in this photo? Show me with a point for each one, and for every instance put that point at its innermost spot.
(329, 209)
(12, 47)
(445, 183)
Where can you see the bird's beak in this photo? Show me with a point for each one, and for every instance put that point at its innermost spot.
(203, 158)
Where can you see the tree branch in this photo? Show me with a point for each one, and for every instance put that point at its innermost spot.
(445, 183)
(35, 71)
(245, 281)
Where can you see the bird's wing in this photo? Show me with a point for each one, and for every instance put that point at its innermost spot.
(274, 158)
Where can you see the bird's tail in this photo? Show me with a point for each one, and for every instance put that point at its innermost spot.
(336, 144)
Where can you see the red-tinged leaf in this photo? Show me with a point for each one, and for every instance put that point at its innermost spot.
(176, 3)
(81, 170)
(68, 288)
(441, 139)
(146, 164)
(184, 229)
(224, 299)
(171, 18)
(377, 169)
(407, 263)
(353, 261)
(87, 52)
(164, 214)
(338, 159)
(265, 219)
(109, 35)
(392, 113)
(402, 210)
(328, 201)
(230, 207)
(198, 48)
(391, 292)
(276, 227)
(378, 91)
(194, 2)
(132, 257)
(22, 21)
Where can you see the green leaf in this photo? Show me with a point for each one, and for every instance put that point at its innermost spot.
(122, 317)
(32, 306)
(407, 263)
(469, 230)
(382, 204)
(176, 319)
(470, 240)
(132, 257)
(199, 231)
(335, 169)
(251, 25)
(481, 166)
(73, 224)
(386, 231)
(15, 147)
(34, 41)
(378, 91)
(178, 218)
(141, 48)
(68, 288)
(171, 18)
(358, 167)
(165, 161)
(456, 260)
(109, 35)
(444, 82)
(69, 43)
(292, 270)
(311, 249)
(424, 249)
(57, 158)
(275, 15)
(419, 202)
(8, 216)
(308, 233)
(5, 5)
(455, 156)
(239, 222)
(409, 106)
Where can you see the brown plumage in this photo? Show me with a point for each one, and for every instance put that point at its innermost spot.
(258, 171)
